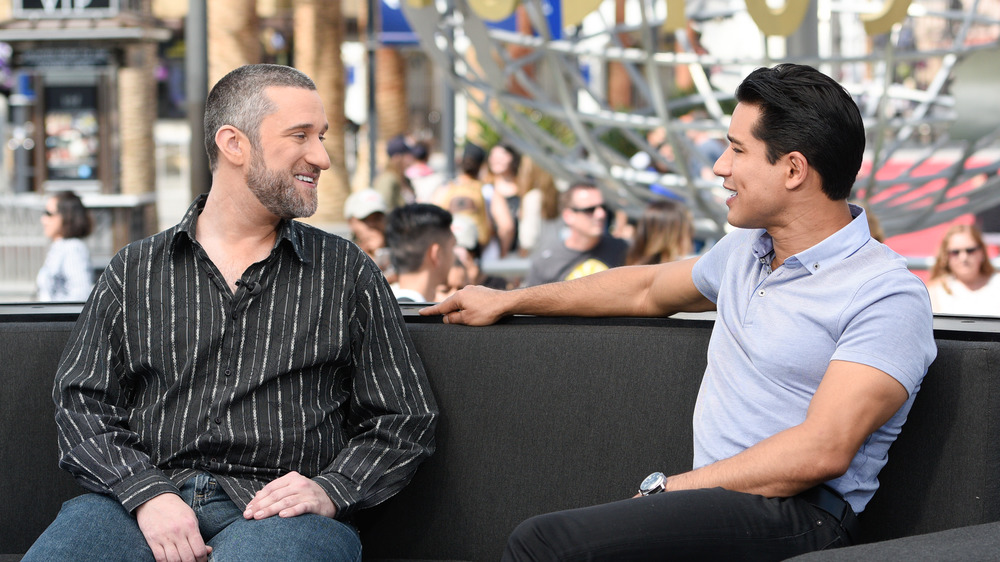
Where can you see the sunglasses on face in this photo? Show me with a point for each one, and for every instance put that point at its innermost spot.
(588, 210)
(959, 251)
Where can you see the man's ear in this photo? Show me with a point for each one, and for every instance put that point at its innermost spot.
(433, 254)
(233, 145)
(798, 169)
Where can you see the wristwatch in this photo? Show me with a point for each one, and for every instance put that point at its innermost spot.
(653, 484)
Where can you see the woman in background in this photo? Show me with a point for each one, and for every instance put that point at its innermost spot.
(67, 274)
(664, 233)
(503, 195)
(963, 280)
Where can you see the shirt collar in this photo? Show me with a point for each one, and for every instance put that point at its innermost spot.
(834, 248)
(289, 231)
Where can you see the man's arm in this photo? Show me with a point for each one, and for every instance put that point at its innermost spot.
(392, 413)
(852, 401)
(96, 444)
(653, 290)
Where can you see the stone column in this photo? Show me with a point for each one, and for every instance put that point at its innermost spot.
(232, 36)
(319, 32)
(136, 116)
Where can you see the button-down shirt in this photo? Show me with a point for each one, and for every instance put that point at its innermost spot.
(308, 367)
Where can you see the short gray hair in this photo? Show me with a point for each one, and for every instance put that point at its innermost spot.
(239, 99)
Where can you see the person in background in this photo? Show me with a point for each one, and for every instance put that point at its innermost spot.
(392, 183)
(422, 249)
(962, 280)
(586, 247)
(464, 194)
(663, 233)
(424, 178)
(67, 274)
(503, 195)
(365, 213)
(467, 253)
(539, 206)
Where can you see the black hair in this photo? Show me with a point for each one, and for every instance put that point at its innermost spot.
(411, 229)
(472, 160)
(804, 110)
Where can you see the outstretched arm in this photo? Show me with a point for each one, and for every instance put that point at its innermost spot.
(654, 290)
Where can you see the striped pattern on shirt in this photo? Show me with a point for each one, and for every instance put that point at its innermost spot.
(308, 367)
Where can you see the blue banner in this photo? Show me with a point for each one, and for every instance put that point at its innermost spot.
(395, 30)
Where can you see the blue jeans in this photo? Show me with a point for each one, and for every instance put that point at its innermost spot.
(96, 527)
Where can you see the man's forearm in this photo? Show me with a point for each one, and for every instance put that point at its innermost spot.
(783, 465)
(615, 292)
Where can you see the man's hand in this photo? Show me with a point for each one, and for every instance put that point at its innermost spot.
(289, 496)
(474, 305)
(171, 529)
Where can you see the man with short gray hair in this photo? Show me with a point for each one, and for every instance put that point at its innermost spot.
(241, 384)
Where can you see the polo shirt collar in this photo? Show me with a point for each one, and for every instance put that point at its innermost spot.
(835, 248)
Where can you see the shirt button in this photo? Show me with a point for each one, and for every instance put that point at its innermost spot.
(218, 420)
(228, 372)
(761, 293)
(236, 316)
(815, 266)
(211, 275)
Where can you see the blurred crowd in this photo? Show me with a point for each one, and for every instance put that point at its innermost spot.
(432, 235)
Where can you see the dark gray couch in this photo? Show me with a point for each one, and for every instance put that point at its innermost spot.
(543, 414)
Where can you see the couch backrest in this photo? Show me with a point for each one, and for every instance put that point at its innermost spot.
(544, 414)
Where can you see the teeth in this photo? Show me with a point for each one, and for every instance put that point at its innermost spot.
(304, 178)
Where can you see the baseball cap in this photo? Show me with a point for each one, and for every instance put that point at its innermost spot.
(362, 203)
(398, 145)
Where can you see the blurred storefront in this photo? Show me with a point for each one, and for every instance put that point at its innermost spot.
(82, 108)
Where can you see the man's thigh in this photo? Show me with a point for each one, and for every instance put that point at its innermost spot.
(306, 537)
(710, 524)
(91, 527)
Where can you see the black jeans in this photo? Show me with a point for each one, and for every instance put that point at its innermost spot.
(711, 524)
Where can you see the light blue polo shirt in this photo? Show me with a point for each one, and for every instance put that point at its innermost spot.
(848, 298)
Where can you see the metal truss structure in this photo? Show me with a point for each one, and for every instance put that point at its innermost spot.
(933, 143)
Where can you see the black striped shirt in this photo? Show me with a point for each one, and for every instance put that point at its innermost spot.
(307, 367)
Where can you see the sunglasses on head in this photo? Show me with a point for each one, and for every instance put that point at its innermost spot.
(958, 251)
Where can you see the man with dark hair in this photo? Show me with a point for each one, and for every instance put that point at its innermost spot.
(822, 338)
(242, 383)
(586, 247)
(422, 250)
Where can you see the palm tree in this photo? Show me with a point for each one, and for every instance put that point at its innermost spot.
(319, 32)
(232, 36)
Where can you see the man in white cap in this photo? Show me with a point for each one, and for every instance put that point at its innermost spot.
(365, 212)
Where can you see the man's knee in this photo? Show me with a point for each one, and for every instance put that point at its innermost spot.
(534, 539)
(91, 527)
(306, 537)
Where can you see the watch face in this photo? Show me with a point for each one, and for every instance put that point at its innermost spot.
(653, 483)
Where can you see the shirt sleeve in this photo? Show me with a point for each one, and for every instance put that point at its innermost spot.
(891, 311)
(710, 268)
(92, 401)
(392, 409)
